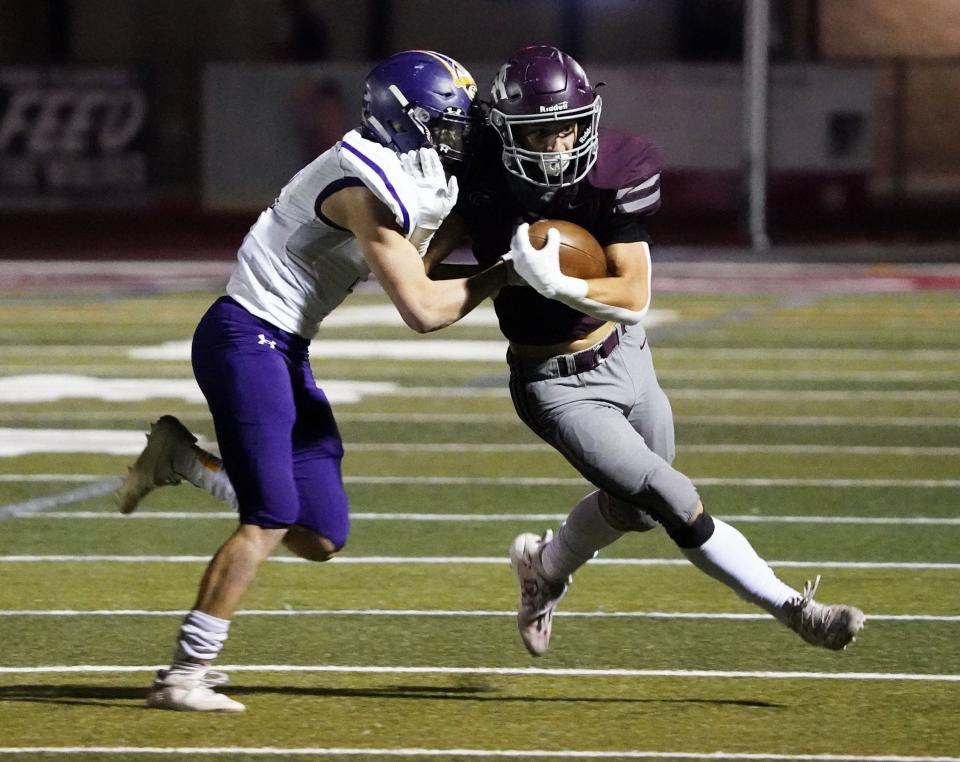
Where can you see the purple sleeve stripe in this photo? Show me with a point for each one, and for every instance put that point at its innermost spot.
(332, 188)
(386, 182)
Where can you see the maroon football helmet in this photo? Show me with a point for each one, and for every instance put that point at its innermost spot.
(540, 86)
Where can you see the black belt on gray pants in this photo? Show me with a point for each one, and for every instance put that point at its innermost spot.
(576, 362)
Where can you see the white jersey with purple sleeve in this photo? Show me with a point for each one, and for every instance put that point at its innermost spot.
(294, 265)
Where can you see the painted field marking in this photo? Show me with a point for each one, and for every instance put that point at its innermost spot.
(98, 488)
(486, 517)
(502, 671)
(549, 481)
(427, 417)
(871, 395)
(794, 449)
(51, 387)
(420, 753)
(739, 354)
(460, 561)
(440, 613)
(22, 441)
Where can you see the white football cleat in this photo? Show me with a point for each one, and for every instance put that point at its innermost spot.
(154, 467)
(191, 691)
(539, 596)
(830, 626)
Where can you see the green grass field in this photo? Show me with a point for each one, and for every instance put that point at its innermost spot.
(825, 425)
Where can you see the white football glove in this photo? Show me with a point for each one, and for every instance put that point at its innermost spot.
(436, 194)
(540, 268)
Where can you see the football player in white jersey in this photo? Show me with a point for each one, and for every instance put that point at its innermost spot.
(369, 204)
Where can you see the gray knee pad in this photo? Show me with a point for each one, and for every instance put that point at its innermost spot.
(669, 497)
(625, 516)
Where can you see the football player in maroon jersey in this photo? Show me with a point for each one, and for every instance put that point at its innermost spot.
(581, 369)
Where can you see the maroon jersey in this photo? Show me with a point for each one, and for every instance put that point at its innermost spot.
(621, 190)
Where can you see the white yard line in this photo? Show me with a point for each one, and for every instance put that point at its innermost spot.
(440, 613)
(860, 395)
(846, 355)
(420, 753)
(459, 561)
(23, 441)
(794, 449)
(427, 417)
(488, 517)
(828, 420)
(502, 671)
(547, 481)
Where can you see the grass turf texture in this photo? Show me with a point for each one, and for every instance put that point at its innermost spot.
(739, 370)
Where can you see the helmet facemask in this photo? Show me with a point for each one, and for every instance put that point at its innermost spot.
(451, 134)
(550, 169)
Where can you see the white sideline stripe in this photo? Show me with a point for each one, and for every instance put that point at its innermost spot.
(507, 671)
(817, 420)
(50, 387)
(732, 375)
(464, 560)
(814, 394)
(489, 318)
(23, 441)
(810, 353)
(482, 517)
(437, 613)
(729, 420)
(91, 490)
(705, 448)
(706, 481)
(548, 481)
(540, 754)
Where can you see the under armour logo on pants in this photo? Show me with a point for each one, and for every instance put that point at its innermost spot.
(265, 340)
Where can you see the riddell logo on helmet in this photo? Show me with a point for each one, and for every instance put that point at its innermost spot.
(555, 107)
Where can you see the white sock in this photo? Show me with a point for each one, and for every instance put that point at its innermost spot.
(200, 639)
(204, 470)
(578, 539)
(730, 558)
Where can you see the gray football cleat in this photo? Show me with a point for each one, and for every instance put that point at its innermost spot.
(539, 596)
(191, 691)
(154, 467)
(830, 626)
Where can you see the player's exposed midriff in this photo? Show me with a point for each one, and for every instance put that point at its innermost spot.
(535, 352)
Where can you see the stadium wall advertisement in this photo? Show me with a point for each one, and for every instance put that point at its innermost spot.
(71, 137)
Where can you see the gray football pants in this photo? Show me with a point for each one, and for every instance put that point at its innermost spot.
(613, 423)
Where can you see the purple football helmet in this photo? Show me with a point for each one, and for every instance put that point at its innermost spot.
(543, 86)
(418, 99)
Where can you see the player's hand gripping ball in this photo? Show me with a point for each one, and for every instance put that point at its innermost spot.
(581, 255)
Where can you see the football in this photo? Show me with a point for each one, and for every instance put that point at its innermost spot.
(581, 255)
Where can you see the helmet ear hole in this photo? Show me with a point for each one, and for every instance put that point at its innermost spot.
(420, 114)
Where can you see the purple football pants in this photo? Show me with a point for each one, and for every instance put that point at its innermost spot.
(277, 435)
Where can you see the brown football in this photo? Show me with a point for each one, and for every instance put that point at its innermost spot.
(581, 256)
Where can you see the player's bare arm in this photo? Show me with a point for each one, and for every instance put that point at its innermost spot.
(452, 233)
(424, 304)
(629, 284)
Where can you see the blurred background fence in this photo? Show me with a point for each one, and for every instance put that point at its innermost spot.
(127, 123)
